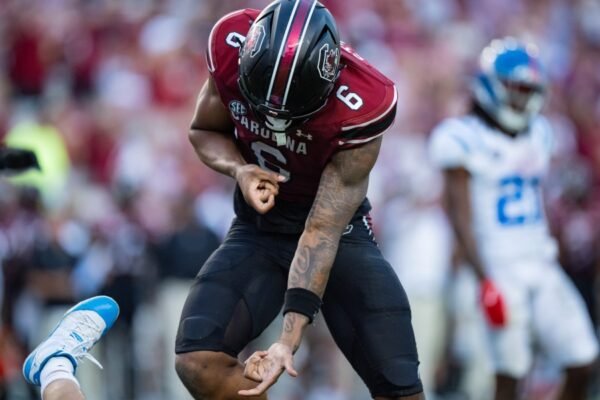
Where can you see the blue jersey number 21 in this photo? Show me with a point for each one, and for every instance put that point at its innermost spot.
(520, 201)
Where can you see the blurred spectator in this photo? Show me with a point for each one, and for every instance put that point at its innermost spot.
(47, 143)
(179, 255)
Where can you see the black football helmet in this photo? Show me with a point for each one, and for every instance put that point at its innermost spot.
(290, 59)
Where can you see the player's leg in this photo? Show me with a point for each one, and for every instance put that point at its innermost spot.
(368, 314)
(511, 350)
(576, 384)
(566, 333)
(506, 387)
(62, 389)
(52, 364)
(237, 293)
(212, 375)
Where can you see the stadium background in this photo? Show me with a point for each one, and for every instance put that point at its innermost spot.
(103, 91)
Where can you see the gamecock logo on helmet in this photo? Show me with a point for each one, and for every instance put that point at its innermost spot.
(328, 61)
(255, 39)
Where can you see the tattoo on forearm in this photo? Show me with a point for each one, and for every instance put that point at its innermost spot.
(309, 264)
(288, 323)
(342, 188)
(291, 334)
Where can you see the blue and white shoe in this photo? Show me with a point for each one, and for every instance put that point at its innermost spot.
(76, 333)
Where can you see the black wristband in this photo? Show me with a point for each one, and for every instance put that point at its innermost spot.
(302, 301)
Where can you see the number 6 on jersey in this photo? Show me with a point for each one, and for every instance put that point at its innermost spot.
(352, 100)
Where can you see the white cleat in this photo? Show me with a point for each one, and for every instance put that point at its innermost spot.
(76, 333)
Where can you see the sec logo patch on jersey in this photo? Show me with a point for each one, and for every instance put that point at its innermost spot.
(237, 108)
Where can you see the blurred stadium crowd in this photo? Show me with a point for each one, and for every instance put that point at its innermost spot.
(103, 90)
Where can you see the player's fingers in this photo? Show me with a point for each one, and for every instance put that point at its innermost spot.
(263, 180)
(290, 368)
(270, 202)
(261, 388)
(251, 372)
(271, 187)
(263, 195)
(275, 177)
(264, 204)
(268, 186)
(272, 177)
(257, 355)
(252, 368)
(261, 205)
(257, 198)
(254, 201)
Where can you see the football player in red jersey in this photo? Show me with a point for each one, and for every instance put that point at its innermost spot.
(296, 118)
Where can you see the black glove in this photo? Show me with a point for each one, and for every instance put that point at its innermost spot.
(17, 159)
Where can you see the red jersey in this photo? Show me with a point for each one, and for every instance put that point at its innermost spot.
(360, 108)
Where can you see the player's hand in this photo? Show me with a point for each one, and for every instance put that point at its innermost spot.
(266, 367)
(258, 186)
(493, 304)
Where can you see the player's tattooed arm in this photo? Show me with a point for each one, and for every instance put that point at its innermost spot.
(342, 188)
(458, 201)
(211, 136)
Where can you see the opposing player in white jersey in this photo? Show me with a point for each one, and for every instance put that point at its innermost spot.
(494, 160)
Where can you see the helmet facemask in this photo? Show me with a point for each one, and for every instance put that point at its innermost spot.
(277, 124)
(519, 103)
